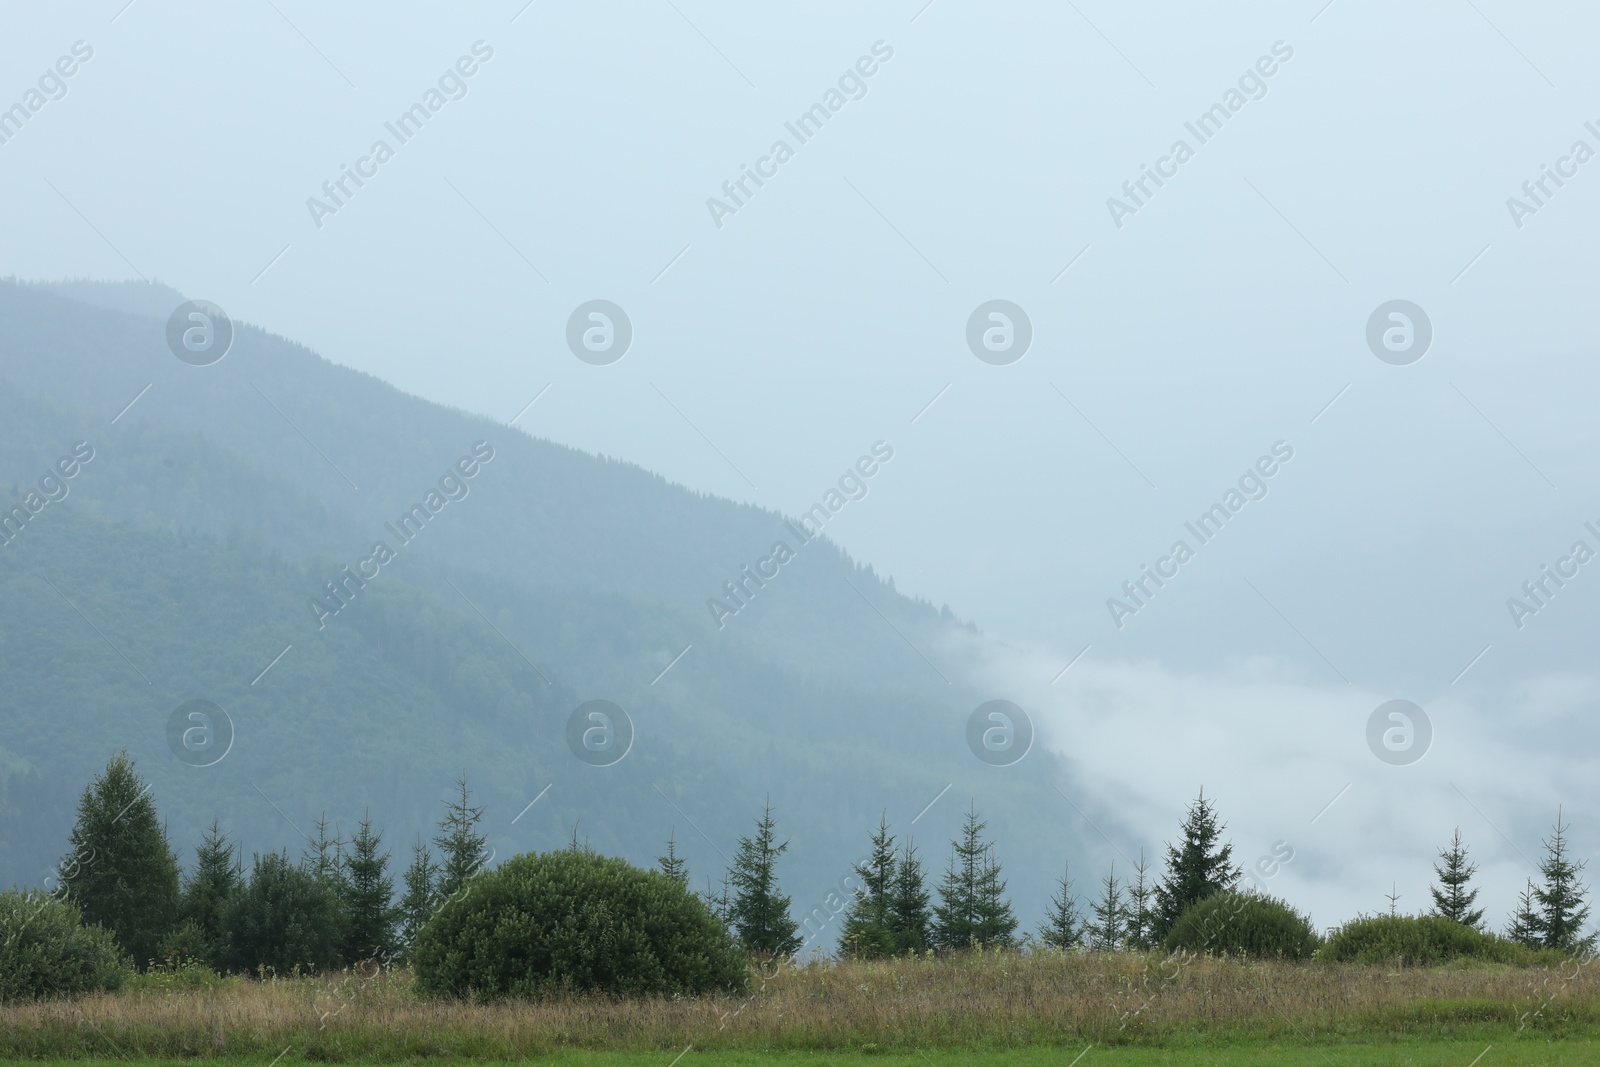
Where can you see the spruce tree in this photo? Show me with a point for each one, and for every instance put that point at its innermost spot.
(867, 931)
(1063, 928)
(759, 913)
(910, 921)
(1141, 919)
(1527, 926)
(1563, 909)
(672, 865)
(1107, 931)
(124, 874)
(1451, 897)
(461, 847)
(368, 897)
(719, 902)
(1201, 865)
(323, 857)
(216, 879)
(421, 895)
(972, 909)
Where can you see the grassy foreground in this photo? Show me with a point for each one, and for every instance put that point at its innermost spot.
(1432, 1054)
(1133, 1010)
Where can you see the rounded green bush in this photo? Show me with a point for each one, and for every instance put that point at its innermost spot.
(574, 921)
(46, 950)
(1243, 924)
(1418, 940)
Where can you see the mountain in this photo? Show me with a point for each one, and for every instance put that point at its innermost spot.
(184, 559)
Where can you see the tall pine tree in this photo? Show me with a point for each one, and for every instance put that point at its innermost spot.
(123, 874)
(1451, 897)
(462, 848)
(972, 909)
(1063, 928)
(1563, 907)
(910, 921)
(369, 897)
(867, 932)
(217, 878)
(759, 913)
(1201, 865)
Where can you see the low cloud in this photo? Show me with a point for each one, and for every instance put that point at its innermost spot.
(1137, 742)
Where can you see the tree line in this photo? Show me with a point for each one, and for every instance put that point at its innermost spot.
(338, 903)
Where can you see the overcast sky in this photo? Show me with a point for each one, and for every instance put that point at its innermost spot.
(1369, 153)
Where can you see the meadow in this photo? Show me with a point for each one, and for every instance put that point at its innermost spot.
(1131, 1009)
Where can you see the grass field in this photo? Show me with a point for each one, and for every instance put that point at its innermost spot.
(1514, 1053)
(1133, 1010)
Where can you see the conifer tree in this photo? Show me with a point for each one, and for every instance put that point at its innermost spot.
(759, 913)
(972, 910)
(461, 846)
(1526, 927)
(422, 892)
(368, 896)
(672, 865)
(1451, 897)
(217, 878)
(1563, 907)
(1063, 928)
(323, 857)
(1141, 919)
(719, 902)
(867, 931)
(124, 875)
(1107, 931)
(910, 921)
(1201, 865)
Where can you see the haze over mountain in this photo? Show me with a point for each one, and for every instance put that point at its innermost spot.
(1172, 349)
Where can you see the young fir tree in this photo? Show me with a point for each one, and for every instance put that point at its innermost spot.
(422, 892)
(323, 857)
(123, 874)
(672, 865)
(759, 913)
(217, 878)
(1451, 897)
(1197, 868)
(1063, 928)
(1563, 907)
(910, 921)
(972, 908)
(1141, 919)
(1527, 926)
(719, 902)
(461, 846)
(1107, 931)
(368, 897)
(867, 931)
(1393, 897)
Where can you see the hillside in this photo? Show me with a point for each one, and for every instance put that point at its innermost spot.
(194, 541)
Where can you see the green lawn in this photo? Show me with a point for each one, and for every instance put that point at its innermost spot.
(1513, 1052)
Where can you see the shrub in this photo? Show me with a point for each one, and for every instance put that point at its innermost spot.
(45, 949)
(574, 921)
(1418, 940)
(1243, 924)
(284, 919)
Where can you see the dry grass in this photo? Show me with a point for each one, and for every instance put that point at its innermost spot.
(988, 1001)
